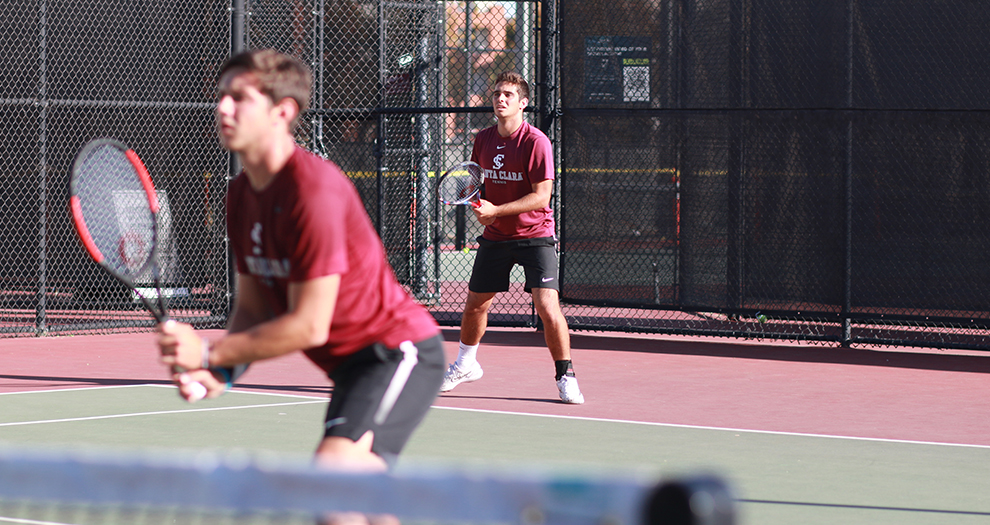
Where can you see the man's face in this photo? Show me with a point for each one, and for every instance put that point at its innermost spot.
(506, 101)
(245, 116)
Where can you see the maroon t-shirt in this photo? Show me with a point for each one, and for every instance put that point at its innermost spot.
(512, 165)
(309, 222)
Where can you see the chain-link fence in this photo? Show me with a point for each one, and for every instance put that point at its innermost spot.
(778, 169)
(403, 87)
(726, 167)
(481, 39)
(74, 71)
(400, 89)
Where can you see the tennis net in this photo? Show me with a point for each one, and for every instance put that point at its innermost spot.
(93, 487)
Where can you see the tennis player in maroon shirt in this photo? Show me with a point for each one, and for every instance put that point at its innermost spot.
(312, 277)
(519, 229)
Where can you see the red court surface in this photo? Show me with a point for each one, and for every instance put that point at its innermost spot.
(913, 395)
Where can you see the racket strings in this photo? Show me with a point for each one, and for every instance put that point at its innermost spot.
(461, 184)
(459, 187)
(115, 208)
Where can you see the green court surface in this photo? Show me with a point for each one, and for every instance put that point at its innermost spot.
(779, 478)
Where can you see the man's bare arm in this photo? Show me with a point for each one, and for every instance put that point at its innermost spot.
(305, 325)
(253, 334)
(539, 198)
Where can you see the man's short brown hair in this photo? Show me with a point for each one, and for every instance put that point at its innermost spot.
(511, 77)
(278, 76)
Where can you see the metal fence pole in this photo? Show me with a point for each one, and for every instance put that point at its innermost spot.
(316, 142)
(41, 325)
(735, 229)
(547, 85)
(545, 77)
(382, 122)
(238, 43)
(423, 168)
(846, 335)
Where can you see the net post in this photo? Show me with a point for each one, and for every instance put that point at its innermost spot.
(697, 500)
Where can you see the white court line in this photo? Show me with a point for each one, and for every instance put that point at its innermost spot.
(29, 522)
(158, 413)
(722, 429)
(47, 390)
(153, 385)
(310, 400)
(483, 411)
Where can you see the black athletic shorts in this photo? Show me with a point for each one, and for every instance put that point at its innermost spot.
(494, 262)
(387, 391)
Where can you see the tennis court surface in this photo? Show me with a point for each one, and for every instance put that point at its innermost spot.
(801, 433)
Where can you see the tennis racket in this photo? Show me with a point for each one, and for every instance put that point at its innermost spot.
(114, 209)
(461, 185)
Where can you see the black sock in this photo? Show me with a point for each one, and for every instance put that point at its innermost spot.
(564, 368)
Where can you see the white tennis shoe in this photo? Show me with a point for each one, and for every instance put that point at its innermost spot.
(570, 392)
(456, 375)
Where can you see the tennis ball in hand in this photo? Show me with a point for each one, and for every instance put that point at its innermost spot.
(198, 391)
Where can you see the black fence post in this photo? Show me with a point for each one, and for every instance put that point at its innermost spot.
(238, 43)
(382, 123)
(238, 29)
(846, 334)
(545, 77)
(41, 323)
(547, 85)
(735, 227)
(423, 62)
(316, 141)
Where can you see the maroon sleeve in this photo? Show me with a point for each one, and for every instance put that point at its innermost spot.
(321, 219)
(540, 165)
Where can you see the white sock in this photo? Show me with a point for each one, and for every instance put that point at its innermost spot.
(466, 355)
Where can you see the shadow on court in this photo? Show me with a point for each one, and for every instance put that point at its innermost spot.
(553, 402)
(919, 359)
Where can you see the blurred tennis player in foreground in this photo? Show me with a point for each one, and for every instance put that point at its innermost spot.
(519, 229)
(312, 277)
